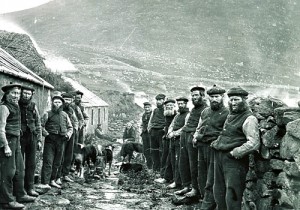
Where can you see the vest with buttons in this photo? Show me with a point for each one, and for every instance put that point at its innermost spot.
(13, 121)
(193, 120)
(28, 116)
(158, 120)
(180, 119)
(57, 122)
(212, 123)
(232, 135)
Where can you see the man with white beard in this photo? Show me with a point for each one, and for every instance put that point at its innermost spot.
(166, 172)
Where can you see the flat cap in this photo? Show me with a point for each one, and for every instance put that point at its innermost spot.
(200, 88)
(169, 100)
(58, 97)
(237, 91)
(147, 103)
(67, 95)
(160, 96)
(182, 99)
(25, 87)
(10, 86)
(78, 92)
(215, 90)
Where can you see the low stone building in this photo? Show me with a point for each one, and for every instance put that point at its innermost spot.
(95, 107)
(11, 70)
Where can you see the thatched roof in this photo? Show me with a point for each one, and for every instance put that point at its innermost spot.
(89, 98)
(10, 65)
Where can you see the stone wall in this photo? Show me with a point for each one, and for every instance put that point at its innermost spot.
(273, 181)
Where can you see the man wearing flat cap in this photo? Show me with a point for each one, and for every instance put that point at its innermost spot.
(156, 130)
(188, 164)
(57, 129)
(65, 167)
(31, 138)
(82, 123)
(210, 125)
(166, 174)
(145, 135)
(174, 134)
(11, 161)
(239, 137)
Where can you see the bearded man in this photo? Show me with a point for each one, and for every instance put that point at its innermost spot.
(11, 161)
(210, 125)
(174, 134)
(156, 130)
(188, 164)
(65, 167)
(166, 166)
(57, 129)
(145, 135)
(239, 137)
(31, 138)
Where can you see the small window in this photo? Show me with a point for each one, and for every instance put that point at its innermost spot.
(99, 116)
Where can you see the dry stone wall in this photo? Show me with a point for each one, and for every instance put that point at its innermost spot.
(273, 181)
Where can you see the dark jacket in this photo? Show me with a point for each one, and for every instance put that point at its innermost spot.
(157, 120)
(129, 134)
(145, 121)
(56, 122)
(193, 119)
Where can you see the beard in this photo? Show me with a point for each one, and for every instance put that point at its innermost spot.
(216, 105)
(241, 107)
(198, 102)
(25, 101)
(169, 112)
(181, 109)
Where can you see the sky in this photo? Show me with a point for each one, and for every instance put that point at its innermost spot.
(8, 6)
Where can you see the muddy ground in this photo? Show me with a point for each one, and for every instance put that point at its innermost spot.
(117, 191)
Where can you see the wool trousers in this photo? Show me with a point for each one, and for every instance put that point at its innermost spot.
(52, 156)
(146, 148)
(28, 150)
(156, 147)
(188, 162)
(230, 180)
(11, 171)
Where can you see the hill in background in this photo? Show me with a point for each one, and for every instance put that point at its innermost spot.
(167, 46)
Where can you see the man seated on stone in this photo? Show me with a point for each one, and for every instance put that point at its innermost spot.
(99, 133)
(129, 133)
(11, 161)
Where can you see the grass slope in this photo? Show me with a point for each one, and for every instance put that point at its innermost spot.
(143, 44)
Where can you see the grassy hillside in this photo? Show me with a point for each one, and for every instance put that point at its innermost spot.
(159, 45)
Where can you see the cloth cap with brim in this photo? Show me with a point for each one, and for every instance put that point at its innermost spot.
(10, 86)
(25, 87)
(160, 96)
(182, 99)
(67, 95)
(78, 92)
(169, 100)
(237, 91)
(215, 90)
(58, 97)
(147, 104)
(197, 88)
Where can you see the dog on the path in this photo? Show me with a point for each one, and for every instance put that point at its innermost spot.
(129, 148)
(108, 156)
(87, 155)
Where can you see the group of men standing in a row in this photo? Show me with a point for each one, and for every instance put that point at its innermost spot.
(204, 152)
(21, 131)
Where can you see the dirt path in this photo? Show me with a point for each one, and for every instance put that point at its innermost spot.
(118, 191)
